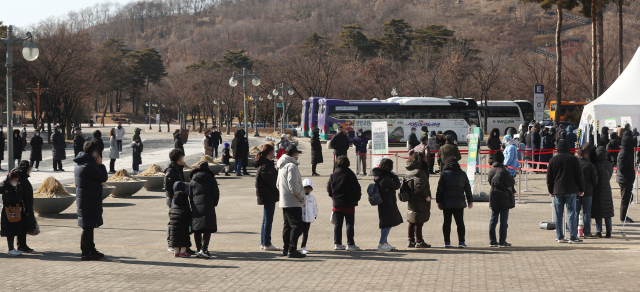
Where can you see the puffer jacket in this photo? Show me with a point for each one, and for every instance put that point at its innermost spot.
(588, 172)
(511, 157)
(173, 172)
(419, 208)
(204, 195)
(343, 188)
(78, 144)
(120, 132)
(388, 212)
(97, 138)
(11, 196)
(113, 148)
(501, 180)
(571, 137)
(340, 144)
(412, 141)
(494, 143)
(360, 143)
(58, 146)
(36, 148)
(180, 218)
(602, 196)
(626, 173)
(238, 146)
(603, 139)
(614, 144)
(89, 177)
(452, 188)
(564, 174)
(449, 150)
(266, 178)
(177, 142)
(289, 182)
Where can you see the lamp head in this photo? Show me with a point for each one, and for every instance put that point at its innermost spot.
(30, 52)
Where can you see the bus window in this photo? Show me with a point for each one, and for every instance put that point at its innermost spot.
(343, 116)
(456, 114)
(503, 111)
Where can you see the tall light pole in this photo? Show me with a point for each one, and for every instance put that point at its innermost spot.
(280, 91)
(275, 114)
(149, 104)
(255, 80)
(219, 102)
(255, 98)
(30, 52)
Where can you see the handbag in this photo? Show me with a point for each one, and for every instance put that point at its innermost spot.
(34, 231)
(333, 218)
(13, 214)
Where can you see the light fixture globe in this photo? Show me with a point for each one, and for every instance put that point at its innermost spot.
(275, 92)
(291, 92)
(233, 81)
(30, 52)
(269, 96)
(255, 81)
(260, 99)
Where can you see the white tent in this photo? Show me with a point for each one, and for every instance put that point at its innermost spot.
(620, 102)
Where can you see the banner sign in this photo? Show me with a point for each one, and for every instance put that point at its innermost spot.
(379, 141)
(610, 123)
(474, 136)
(624, 121)
(538, 101)
(158, 119)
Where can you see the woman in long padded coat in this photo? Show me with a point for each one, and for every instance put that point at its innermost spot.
(602, 205)
(388, 211)
(36, 149)
(420, 203)
(204, 194)
(316, 150)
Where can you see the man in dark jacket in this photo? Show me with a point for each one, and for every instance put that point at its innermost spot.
(413, 140)
(626, 173)
(58, 149)
(602, 207)
(536, 142)
(36, 149)
(316, 150)
(89, 174)
(449, 149)
(177, 141)
(590, 179)
(494, 143)
(453, 188)
(345, 192)
(97, 139)
(239, 149)
(501, 199)
(603, 138)
(173, 172)
(571, 137)
(565, 182)
(78, 142)
(216, 139)
(360, 143)
(339, 144)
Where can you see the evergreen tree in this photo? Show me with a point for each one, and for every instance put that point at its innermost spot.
(396, 41)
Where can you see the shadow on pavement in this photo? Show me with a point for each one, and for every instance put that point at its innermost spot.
(65, 256)
(142, 197)
(107, 205)
(59, 216)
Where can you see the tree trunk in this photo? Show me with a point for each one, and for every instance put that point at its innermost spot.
(620, 37)
(594, 52)
(558, 65)
(600, 48)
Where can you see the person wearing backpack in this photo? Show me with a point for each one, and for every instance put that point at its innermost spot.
(345, 192)
(501, 199)
(419, 204)
(387, 182)
(450, 196)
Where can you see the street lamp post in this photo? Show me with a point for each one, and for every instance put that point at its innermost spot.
(255, 98)
(30, 53)
(149, 104)
(255, 80)
(219, 102)
(394, 92)
(280, 91)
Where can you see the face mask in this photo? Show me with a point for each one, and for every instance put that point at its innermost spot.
(14, 183)
(359, 134)
(413, 132)
(37, 134)
(119, 127)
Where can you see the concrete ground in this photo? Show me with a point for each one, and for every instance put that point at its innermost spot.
(134, 241)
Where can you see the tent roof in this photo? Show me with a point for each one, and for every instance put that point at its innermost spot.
(625, 90)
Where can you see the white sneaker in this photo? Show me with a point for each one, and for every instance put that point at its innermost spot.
(339, 247)
(262, 247)
(204, 254)
(14, 253)
(385, 247)
(271, 248)
(353, 248)
(36, 169)
(304, 250)
(171, 250)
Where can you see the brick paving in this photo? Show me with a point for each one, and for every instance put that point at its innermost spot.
(134, 240)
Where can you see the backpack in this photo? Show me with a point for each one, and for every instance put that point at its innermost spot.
(406, 192)
(375, 198)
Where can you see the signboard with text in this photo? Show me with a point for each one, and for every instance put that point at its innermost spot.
(538, 101)
(379, 142)
(474, 137)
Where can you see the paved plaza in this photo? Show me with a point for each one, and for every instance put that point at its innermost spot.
(133, 238)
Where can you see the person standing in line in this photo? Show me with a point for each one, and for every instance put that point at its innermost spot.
(245, 156)
(602, 207)
(316, 150)
(501, 199)
(204, 195)
(177, 141)
(206, 144)
(388, 213)
(547, 143)
(432, 155)
(413, 141)
(614, 144)
(58, 149)
(17, 149)
(449, 149)
(29, 219)
(493, 143)
(180, 221)
(423, 148)
(419, 205)
(565, 182)
(267, 193)
(114, 152)
(571, 137)
(137, 156)
(425, 131)
(511, 157)
(237, 146)
(2, 142)
(450, 196)
(339, 144)
(226, 157)
(603, 138)
(345, 192)
(590, 180)
(120, 132)
(97, 139)
(89, 175)
(309, 213)
(78, 142)
(626, 173)
(24, 136)
(173, 172)
(292, 200)
(12, 197)
(360, 143)
(36, 149)
(216, 139)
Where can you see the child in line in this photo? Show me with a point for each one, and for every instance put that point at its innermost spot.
(137, 158)
(309, 213)
(226, 155)
(180, 221)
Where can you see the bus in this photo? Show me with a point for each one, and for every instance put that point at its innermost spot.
(451, 116)
(566, 107)
(313, 112)
(304, 117)
(505, 115)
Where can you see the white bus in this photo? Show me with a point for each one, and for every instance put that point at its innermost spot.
(507, 114)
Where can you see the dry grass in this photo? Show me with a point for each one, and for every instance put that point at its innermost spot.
(122, 176)
(51, 188)
(153, 170)
(206, 158)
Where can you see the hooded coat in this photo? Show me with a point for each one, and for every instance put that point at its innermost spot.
(266, 178)
(388, 212)
(289, 182)
(17, 142)
(603, 139)
(204, 194)
(179, 218)
(360, 143)
(89, 177)
(494, 143)
(547, 143)
(419, 208)
(11, 196)
(588, 172)
(173, 172)
(239, 147)
(136, 137)
(36, 148)
(343, 188)
(452, 188)
(58, 145)
(501, 181)
(626, 171)
(340, 144)
(413, 141)
(316, 148)
(97, 138)
(177, 142)
(511, 157)
(564, 174)
(571, 137)
(78, 144)
(602, 206)
(136, 149)
(114, 153)
(614, 144)
(29, 222)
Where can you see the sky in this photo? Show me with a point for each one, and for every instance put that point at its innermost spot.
(22, 13)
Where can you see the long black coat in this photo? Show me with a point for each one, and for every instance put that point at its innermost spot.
(613, 144)
(89, 177)
(388, 211)
(78, 144)
(501, 181)
(58, 146)
(602, 196)
(36, 148)
(136, 153)
(177, 142)
(11, 196)
(494, 143)
(179, 221)
(340, 144)
(343, 188)
(547, 143)
(28, 222)
(2, 145)
(239, 146)
(452, 188)
(589, 173)
(626, 173)
(266, 178)
(17, 147)
(97, 138)
(419, 208)
(316, 149)
(173, 172)
(204, 194)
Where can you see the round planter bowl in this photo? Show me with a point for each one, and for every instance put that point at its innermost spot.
(216, 168)
(153, 182)
(232, 165)
(46, 206)
(126, 188)
(106, 191)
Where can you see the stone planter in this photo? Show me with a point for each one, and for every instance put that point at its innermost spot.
(153, 182)
(106, 191)
(126, 188)
(47, 206)
(184, 134)
(216, 168)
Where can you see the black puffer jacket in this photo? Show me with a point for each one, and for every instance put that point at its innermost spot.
(564, 174)
(494, 143)
(97, 138)
(419, 208)
(343, 188)
(603, 139)
(388, 211)
(588, 172)
(78, 144)
(413, 141)
(340, 144)
(626, 173)
(11, 196)
(452, 188)
(613, 144)
(177, 142)
(240, 151)
(316, 147)
(547, 143)
(501, 181)
(173, 172)
(204, 194)
(179, 219)
(602, 196)
(36, 148)
(89, 177)
(266, 178)
(27, 198)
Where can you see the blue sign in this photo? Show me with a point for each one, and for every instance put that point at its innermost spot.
(539, 88)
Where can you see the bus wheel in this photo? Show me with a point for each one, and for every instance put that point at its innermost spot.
(453, 134)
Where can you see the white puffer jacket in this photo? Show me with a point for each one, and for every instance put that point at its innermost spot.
(120, 133)
(290, 182)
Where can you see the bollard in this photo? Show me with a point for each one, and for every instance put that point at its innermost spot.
(526, 181)
(370, 163)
